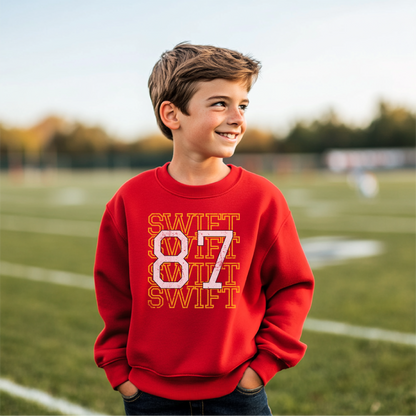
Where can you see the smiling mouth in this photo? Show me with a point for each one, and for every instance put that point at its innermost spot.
(230, 136)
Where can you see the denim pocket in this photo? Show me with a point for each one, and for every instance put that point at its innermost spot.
(249, 392)
(133, 397)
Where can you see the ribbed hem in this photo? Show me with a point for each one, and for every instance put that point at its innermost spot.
(198, 191)
(117, 372)
(266, 365)
(187, 387)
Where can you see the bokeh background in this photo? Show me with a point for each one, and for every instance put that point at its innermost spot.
(331, 123)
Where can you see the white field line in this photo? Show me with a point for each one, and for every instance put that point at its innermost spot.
(49, 226)
(317, 325)
(44, 399)
(325, 251)
(383, 224)
(339, 328)
(46, 275)
(362, 223)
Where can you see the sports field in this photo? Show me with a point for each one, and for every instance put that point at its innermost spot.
(365, 277)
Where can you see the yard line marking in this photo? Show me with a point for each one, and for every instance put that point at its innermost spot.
(78, 228)
(311, 324)
(49, 226)
(340, 328)
(44, 399)
(325, 251)
(379, 224)
(320, 251)
(46, 275)
(383, 224)
(51, 201)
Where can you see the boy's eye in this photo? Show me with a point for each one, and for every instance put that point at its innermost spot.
(242, 107)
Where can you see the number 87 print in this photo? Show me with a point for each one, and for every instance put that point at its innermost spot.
(180, 258)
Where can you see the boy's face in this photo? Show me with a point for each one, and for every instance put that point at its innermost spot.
(216, 121)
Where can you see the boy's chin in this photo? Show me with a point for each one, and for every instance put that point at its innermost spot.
(228, 153)
(225, 155)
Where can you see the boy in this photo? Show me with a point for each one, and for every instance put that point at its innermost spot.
(200, 277)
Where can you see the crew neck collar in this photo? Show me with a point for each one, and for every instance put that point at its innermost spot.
(198, 191)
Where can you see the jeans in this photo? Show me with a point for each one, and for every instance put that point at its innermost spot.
(240, 402)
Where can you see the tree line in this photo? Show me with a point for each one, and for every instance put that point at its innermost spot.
(392, 126)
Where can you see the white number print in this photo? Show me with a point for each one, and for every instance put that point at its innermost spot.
(161, 258)
(180, 258)
(213, 284)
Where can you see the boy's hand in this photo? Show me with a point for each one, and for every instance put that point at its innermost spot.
(250, 379)
(127, 388)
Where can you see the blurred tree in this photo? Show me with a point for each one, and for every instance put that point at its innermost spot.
(11, 140)
(5, 139)
(81, 140)
(32, 140)
(43, 132)
(256, 141)
(153, 143)
(392, 127)
(325, 133)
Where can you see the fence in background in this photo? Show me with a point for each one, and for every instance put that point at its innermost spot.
(335, 160)
(259, 162)
(370, 159)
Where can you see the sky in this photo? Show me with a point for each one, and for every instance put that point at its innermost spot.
(89, 60)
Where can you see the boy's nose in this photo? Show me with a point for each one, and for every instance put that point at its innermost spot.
(236, 117)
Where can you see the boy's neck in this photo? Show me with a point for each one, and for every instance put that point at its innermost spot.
(196, 173)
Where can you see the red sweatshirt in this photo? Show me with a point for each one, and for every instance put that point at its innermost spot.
(196, 283)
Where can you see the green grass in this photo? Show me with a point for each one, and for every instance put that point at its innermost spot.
(47, 336)
(47, 331)
(346, 376)
(11, 405)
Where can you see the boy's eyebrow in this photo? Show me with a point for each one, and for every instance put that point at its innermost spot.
(224, 97)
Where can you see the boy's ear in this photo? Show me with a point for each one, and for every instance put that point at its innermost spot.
(169, 115)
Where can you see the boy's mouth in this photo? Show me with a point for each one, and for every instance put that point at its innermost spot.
(230, 136)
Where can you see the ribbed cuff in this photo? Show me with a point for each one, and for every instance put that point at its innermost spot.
(266, 365)
(117, 372)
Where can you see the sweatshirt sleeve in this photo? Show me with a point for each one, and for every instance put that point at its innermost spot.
(111, 275)
(288, 283)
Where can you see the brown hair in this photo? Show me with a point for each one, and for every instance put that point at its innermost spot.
(175, 75)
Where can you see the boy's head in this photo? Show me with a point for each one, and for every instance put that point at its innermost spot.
(175, 76)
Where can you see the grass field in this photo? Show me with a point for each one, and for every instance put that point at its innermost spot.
(48, 330)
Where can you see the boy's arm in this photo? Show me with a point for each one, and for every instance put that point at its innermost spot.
(289, 285)
(111, 274)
